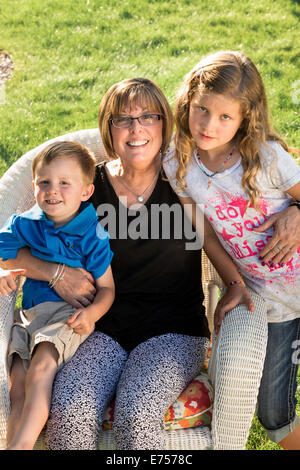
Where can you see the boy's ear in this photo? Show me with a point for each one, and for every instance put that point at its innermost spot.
(88, 191)
(33, 185)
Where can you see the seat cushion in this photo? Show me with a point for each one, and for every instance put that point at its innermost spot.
(191, 409)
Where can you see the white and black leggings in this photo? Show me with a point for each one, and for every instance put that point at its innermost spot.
(146, 381)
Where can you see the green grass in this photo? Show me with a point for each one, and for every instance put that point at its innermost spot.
(68, 53)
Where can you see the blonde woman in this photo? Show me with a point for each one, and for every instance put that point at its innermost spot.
(229, 159)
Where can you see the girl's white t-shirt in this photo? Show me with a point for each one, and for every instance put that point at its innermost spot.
(225, 205)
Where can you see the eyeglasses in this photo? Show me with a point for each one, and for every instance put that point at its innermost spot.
(126, 121)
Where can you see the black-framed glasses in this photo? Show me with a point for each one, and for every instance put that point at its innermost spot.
(148, 119)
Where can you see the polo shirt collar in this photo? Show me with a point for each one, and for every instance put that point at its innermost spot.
(79, 225)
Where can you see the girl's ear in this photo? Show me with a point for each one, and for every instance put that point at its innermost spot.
(87, 192)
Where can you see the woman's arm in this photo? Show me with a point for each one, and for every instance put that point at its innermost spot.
(286, 236)
(236, 292)
(77, 287)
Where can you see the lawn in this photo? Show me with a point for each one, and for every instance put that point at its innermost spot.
(68, 53)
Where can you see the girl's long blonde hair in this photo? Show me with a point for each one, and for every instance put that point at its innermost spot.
(233, 74)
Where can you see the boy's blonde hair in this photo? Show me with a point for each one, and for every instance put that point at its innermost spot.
(233, 74)
(67, 149)
(129, 93)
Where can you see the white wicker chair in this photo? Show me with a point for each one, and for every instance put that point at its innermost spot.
(236, 362)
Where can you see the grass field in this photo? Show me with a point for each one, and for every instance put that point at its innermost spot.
(68, 53)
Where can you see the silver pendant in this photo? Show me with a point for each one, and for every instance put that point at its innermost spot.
(140, 198)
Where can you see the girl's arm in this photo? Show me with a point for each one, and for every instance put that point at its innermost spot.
(286, 234)
(77, 287)
(236, 292)
(83, 320)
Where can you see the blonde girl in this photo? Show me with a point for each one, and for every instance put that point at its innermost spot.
(229, 159)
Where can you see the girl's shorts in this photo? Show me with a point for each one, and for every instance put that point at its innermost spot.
(44, 322)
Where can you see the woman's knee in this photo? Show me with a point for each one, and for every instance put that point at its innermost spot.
(136, 428)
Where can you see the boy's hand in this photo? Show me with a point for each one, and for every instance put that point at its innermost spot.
(234, 296)
(7, 280)
(81, 322)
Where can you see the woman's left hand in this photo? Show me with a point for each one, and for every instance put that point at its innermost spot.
(234, 295)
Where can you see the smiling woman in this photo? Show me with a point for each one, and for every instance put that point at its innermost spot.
(154, 338)
(138, 147)
(152, 329)
(136, 125)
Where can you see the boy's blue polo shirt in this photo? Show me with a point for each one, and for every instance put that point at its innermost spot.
(81, 243)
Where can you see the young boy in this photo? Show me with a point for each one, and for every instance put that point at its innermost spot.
(63, 228)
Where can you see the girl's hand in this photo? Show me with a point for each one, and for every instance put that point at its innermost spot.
(81, 322)
(7, 280)
(234, 295)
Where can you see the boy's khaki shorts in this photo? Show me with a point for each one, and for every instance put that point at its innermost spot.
(44, 322)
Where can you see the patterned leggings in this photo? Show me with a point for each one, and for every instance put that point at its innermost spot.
(146, 382)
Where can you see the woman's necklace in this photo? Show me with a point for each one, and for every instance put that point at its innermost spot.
(210, 176)
(139, 197)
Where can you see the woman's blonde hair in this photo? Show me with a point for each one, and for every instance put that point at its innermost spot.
(128, 93)
(233, 74)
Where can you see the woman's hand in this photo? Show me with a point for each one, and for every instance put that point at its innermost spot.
(234, 295)
(7, 280)
(77, 287)
(286, 237)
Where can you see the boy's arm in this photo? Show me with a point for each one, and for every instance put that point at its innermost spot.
(83, 320)
(236, 293)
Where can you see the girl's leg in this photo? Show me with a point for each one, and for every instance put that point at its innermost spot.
(292, 440)
(82, 390)
(276, 401)
(38, 386)
(156, 372)
(17, 396)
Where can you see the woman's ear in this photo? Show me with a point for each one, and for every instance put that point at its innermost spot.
(87, 192)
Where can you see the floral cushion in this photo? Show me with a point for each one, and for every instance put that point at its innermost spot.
(191, 409)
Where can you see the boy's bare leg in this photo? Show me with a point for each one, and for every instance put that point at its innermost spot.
(17, 396)
(38, 388)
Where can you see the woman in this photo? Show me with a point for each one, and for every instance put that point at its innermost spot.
(153, 340)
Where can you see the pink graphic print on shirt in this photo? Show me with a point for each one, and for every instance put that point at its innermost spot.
(234, 219)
